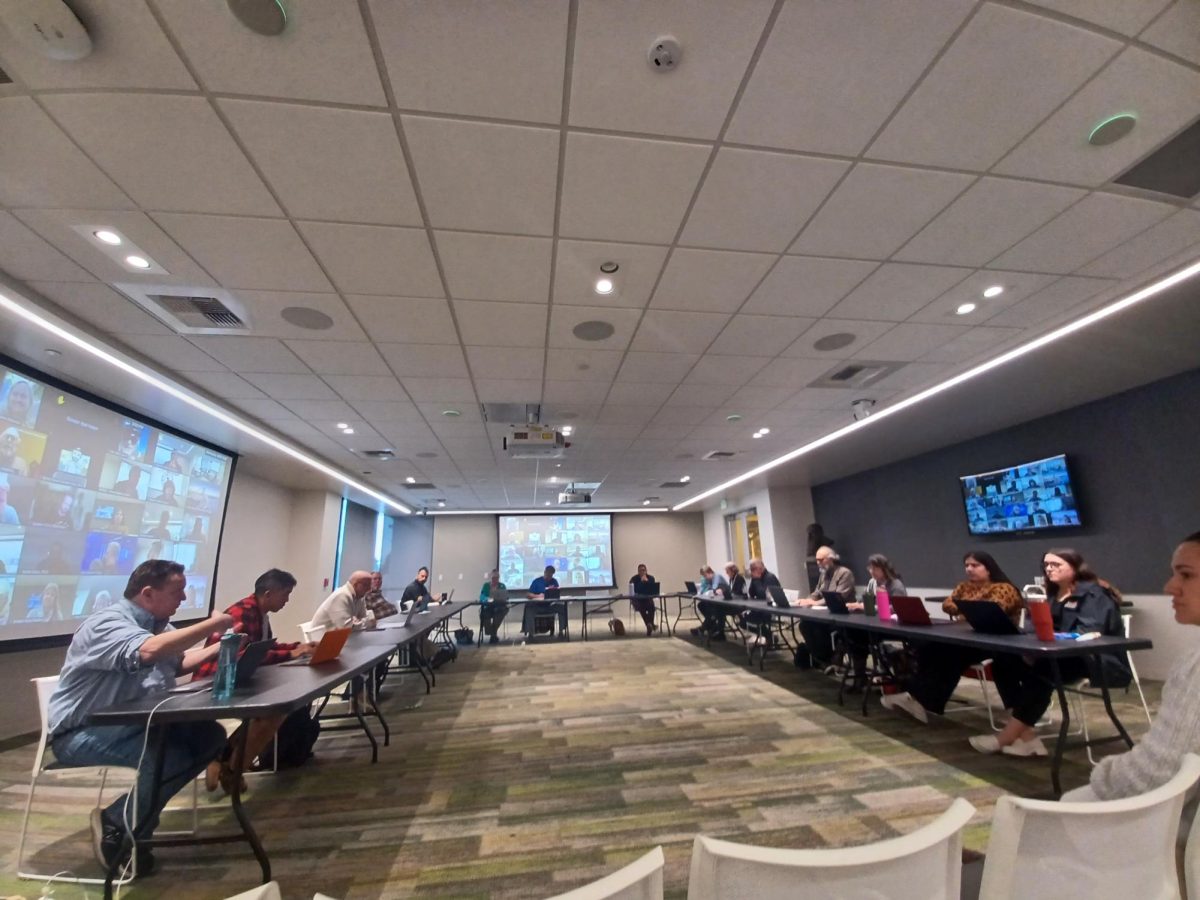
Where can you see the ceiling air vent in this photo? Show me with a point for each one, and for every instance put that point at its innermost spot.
(421, 486)
(673, 484)
(511, 413)
(719, 455)
(191, 310)
(1174, 168)
(858, 374)
(382, 455)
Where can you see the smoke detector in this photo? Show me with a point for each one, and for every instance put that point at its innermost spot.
(664, 54)
(47, 27)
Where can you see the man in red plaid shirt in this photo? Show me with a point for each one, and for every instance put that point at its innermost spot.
(272, 590)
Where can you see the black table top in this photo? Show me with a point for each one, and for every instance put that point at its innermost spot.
(950, 633)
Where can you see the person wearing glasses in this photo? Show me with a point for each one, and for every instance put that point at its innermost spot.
(834, 578)
(1079, 603)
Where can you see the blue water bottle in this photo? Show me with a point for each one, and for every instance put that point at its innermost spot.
(226, 666)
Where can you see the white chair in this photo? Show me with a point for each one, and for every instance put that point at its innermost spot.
(1110, 849)
(268, 891)
(792, 594)
(311, 634)
(642, 879)
(924, 865)
(42, 767)
(1191, 856)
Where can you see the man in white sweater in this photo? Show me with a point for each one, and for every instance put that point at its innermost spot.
(1176, 730)
(347, 606)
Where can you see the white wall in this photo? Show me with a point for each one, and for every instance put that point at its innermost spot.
(716, 541)
(464, 551)
(791, 514)
(672, 545)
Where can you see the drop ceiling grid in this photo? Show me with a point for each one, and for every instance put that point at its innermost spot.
(306, 249)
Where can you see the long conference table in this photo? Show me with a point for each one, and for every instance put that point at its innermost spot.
(606, 601)
(962, 635)
(274, 690)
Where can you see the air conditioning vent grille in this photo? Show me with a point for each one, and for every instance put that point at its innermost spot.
(190, 310)
(858, 374)
(421, 486)
(199, 310)
(719, 455)
(383, 454)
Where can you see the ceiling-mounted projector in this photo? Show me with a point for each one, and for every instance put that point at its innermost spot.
(47, 27)
(570, 496)
(535, 442)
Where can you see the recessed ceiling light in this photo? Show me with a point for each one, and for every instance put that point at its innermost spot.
(568, 429)
(138, 262)
(558, 465)
(554, 479)
(994, 291)
(50, 351)
(547, 503)
(441, 504)
(347, 431)
(764, 431)
(757, 435)
(1112, 129)
(965, 308)
(343, 424)
(645, 503)
(609, 267)
(410, 480)
(108, 237)
(733, 418)
(604, 286)
(685, 479)
(451, 413)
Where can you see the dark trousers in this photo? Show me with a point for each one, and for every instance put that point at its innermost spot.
(190, 747)
(540, 608)
(940, 666)
(713, 616)
(491, 614)
(818, 638)
(1031, 687)
(647, 608)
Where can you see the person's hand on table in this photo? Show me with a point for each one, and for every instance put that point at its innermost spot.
(855, 607)
(807, 601)
(303, 650)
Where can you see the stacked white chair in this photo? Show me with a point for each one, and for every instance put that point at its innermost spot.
(642, 879)
(924, 865)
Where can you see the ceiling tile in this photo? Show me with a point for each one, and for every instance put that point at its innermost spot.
(280, 417)
(434, 390)
(677, 332)
(709, 280)
(225, 385)
(611, 40)
(1052, 301)
(564, 319)
(668, 368)
(575, 392)
(266, 308)
(758, 398)
(374, 259)
(1126, 16)
(916, 375)
(509, 390)
(330, 357)
(813, 399)
(989, 218)
(381, 412)
(791, 372)
(910, 341)
(1004, 73)
(33, 146)
(617, 188)
(863, 333)
(1174, 235)
(507, 325)
(445, 360)
(702, 395)
(582, 365)
(175, 354)
(1017, 286)
(488, 363)
(167, 152)
(98, 305)
(328, 163)
(969, 345)
(129, 50)
(292, 387)
(761, 336)
(279, 261)
(578, 268)
(807, 286)
(378, 388)
(516, 50)
(839, 69)
(755, 200)
(495, 266)
(1162, 93)
(727, 369)
(482, 176)
(876, 209)
(24, 255)
(1176, 32)
(895, 291)
(321, 410)
(404, 319)
(1091, 227)
(250, 354)
(632, 393)
(323, 54)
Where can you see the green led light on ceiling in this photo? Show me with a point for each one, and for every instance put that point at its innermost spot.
(1112, 129)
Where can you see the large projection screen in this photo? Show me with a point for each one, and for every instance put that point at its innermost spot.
(88, 491)
(578, 546)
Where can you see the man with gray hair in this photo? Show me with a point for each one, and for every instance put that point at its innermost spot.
(347, 606)
(493, 607)
(836, 579)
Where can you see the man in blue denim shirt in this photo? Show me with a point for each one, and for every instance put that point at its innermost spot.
(124, 652)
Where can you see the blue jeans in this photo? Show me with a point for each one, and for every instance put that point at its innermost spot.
(190, 747)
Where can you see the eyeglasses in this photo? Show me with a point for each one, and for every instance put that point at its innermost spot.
(1054, 565)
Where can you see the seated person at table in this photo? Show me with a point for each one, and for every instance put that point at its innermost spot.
(347, 606)
(380, 606)
(837, 579)
(647, 607)
(1176, 729)
(705, 584)
(537, 592)
(712, 616)
(272, 590)
(417, 592)
(939, 666)
(122, 653)
(760, 580)
(492, 612)
(1078, 603)
(883, 578)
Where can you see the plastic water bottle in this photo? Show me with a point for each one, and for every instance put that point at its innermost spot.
(226, 667)
(883, 603)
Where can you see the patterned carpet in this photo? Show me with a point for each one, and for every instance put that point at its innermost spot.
(531, 770)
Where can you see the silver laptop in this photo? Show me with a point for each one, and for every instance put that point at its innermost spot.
(499, 595)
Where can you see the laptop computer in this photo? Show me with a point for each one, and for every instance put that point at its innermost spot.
(835, 603)
(499, 595)
(328, 650)
(778, 597)
(646, 588)
(690, 587)
(247, 665)
(912, 611)
(552, 594)
(986, 617)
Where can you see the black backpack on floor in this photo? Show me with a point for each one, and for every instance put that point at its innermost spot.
(296, 737)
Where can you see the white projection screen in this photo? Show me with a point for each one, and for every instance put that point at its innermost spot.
(88, 491)
(578, 546)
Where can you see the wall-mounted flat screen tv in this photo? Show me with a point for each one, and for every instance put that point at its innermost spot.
(1029, 497)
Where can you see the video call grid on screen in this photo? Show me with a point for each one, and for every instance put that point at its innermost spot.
(579, 547)
(86, 493)
(1027, 497)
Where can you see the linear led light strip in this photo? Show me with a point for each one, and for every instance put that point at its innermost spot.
(546, 511)
(196, 403)
(1103, 313)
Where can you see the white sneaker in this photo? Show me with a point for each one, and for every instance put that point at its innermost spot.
(906, 703)
(985, 743)
(1031, 747)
